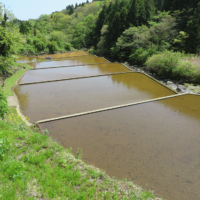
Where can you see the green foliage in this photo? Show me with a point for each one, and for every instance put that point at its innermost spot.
(179, 42)
(14, 169)
(176, 64)
(136, 44)
(4, 147)
(79, 154)
(164, 63)
(68, 46)
(53, 47)
(29, 40)
(59, 37)
(91, 50)
(25, 27)
(140, 56)
(3, 104)
(39, 45)
(30, 49)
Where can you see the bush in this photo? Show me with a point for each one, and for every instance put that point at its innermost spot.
(91, 50)
(29, 40)
(3, 104)
(68, 46)
(140, 56)
(39, 45)
(184, 69)
(164, 63)
(52, 46)
(30, 49)
(176, 64)
(21, 50)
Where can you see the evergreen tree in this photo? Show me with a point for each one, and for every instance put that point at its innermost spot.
(99, 25)
(117, 24)
(5, 18)
(137, 14)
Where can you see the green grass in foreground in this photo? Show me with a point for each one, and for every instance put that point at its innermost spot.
(11, 81)
(33, 166)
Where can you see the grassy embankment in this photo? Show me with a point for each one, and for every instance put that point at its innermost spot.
(11, 81)
(33, 166)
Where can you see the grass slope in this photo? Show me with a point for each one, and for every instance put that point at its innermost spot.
(11, 81)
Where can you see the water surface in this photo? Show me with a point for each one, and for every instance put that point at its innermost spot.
(69, 54)
(156, 144)
(49, 74)
(55, 99)
(26, 59)
(69, 62)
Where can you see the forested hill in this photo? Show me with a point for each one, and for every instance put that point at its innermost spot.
(130, 30)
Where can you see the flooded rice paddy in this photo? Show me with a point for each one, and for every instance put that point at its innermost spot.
(69, 62)
(50, 74)
(155, 144)
(69, 54)
(55, 99)
(27, 59)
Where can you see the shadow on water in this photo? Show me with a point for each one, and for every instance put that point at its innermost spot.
(55, 99)
(156, 144)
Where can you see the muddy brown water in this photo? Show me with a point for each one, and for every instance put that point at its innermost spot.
(156, 144)
(27, 59)
(55, 99)
(49, 74)
(69, 62)
(69, 54)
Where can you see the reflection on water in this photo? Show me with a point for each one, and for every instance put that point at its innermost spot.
(25, 59)
(55, 99)
(69, 54)
(69, 62)
(72, 72)
(155, 144)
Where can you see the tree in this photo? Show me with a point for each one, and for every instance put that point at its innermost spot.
(25, 27)
(9, 39)
(99, 24)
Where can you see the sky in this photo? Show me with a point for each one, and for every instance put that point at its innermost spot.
(32, 9)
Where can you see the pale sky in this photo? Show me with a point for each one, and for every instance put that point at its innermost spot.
(32, 9)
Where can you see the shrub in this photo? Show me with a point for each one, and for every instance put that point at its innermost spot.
(30, 49)
(3, 104)
(164, 63)
(91, 50)
(21, 50)
(176, 64)
(29, 40)
(39, 45)
(68, 46)
(184, 69)
(52, 46)
(140, 55)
